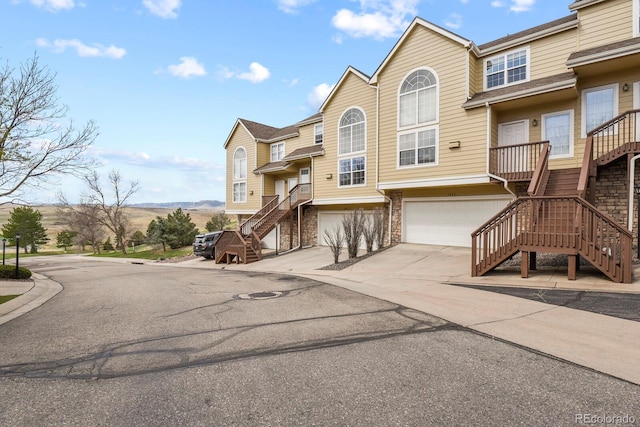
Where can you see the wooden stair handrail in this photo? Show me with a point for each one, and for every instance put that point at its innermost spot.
(587, 166)
(542, 168)
(248, 225)
(594, 235)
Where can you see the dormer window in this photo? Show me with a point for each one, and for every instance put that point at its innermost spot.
(318, 133)
(507, 69)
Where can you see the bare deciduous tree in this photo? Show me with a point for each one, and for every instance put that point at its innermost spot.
(37, 142)
(369, 232)
(111, 214)
(353, 226)
(379, 225)
(335, 240)
(83, 220)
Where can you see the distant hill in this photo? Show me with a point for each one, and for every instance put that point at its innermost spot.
(202, 204)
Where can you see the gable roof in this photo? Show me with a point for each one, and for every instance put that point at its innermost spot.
(605, 52)
(269, 134)
(417, 21)
(528, 35)
(347, 72)
(579, 4)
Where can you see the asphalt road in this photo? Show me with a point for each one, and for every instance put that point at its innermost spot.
(127, 344)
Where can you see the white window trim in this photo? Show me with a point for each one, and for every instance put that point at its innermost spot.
(414, 166)
(241, 180)
(437, 119)
(583, 102)
(571, 131)
(352, 153)
(277, 144)
(504, 55)
(315, 134)
(636, 18)
(233, 192)
(364, 184)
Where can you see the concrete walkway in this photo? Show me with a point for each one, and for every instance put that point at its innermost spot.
(421, 277)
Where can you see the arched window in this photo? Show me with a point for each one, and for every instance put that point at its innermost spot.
(351, 132)
(240, 175)
(418, 99)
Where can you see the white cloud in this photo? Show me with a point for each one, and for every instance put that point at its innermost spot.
(188, 67)
(319, 94)
(517, 6)
(54, 5)
(95, 51)
(146, 160)
(522, 5)
(257, 73)
(379, 19)
(292, 6)
(166, 9)
(454, 22)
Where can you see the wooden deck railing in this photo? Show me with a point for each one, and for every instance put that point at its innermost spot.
(515, 162)
(300, 193)
(618, 136)
(228, 239)
(568, 225)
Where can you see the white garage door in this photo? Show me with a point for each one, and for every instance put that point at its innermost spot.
(327, 222)
(449, 221)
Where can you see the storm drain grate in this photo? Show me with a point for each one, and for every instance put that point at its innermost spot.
(261, 295)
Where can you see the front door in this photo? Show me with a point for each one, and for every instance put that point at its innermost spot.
(514, 159)
(305, 176)
(280, 190)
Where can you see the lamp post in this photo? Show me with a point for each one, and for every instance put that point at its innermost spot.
(4, 244)
(638, 223)
(17, 253)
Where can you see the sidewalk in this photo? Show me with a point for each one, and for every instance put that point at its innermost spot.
(421, 277)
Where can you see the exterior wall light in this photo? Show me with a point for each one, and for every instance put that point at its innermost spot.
(329, 176)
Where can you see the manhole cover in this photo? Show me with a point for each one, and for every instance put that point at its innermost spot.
(261, 295)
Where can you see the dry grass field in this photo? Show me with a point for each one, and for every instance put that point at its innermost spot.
(140, 217)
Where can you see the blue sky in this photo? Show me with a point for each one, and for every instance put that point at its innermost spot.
(165, 80)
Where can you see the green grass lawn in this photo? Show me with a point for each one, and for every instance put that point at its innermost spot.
(146, 252)
(5, 298)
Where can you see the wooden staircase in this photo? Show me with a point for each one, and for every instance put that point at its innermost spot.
(556, 216)
(244, 245)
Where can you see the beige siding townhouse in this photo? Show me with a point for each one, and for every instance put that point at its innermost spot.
(525, 144)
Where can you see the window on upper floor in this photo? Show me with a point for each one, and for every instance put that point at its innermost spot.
(599, 105)
(318, 132)
(418, 99)
(557, 128)
(351, 132)
(351, 171)
(240, 175)
(506, 69)
(418, 148)
(277, 151)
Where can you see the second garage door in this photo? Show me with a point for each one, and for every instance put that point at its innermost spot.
(447, 221)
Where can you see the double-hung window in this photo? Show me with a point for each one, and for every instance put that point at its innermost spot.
(318, 132)
(418, 100)
(599, 105)
(557, 128)
(351, 140)
(506, 69)
(240, 176)
(417, 148)
(277, 151)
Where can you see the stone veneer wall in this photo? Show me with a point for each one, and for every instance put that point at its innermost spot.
(310, 226)
(611, 194)
(396, 216)
(287, 227)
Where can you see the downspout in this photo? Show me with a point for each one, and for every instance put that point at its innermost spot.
(505, 183)
(378, 162)
(632, 177)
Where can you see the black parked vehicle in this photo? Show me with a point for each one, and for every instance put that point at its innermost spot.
(204, 244)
